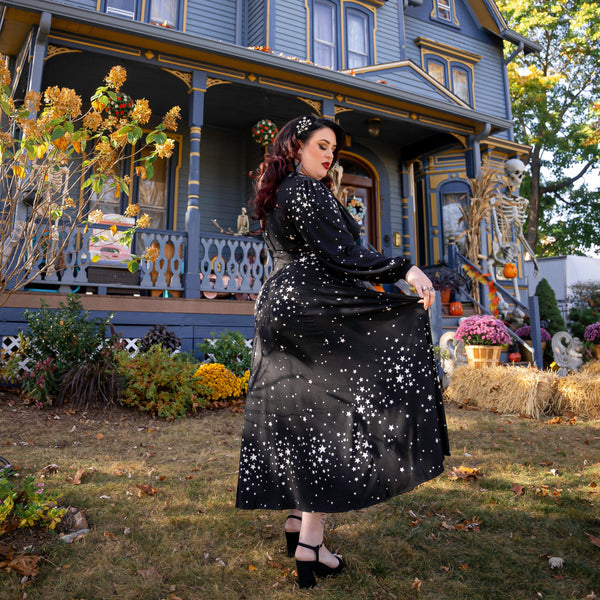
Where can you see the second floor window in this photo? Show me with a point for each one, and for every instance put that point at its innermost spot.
(357, 35)
(164, 12)
(122, 8)
(325, 34)
(342, 34)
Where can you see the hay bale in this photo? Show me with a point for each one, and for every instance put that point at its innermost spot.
(580, 392)
(591, 368)
(507, 389)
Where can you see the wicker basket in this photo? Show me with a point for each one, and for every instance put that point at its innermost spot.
(483, 356)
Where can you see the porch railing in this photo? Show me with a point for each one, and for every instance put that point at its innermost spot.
(230, 266)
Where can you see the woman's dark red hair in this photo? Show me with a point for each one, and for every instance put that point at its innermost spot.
(282, 160)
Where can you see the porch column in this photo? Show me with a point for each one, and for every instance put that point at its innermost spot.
(408, 211)
(40, 48)
(192, 215)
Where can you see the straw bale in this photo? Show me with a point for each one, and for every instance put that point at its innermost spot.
(506, 389)
(591, 368)
(580, 393)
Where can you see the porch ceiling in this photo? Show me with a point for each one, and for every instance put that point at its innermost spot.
(229, 106)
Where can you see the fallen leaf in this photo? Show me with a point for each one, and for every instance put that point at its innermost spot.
(594, 539)
(146, 489)
(464, 473)
(519, 490)
(76, 479)
(99, 436)
(25, 564)
(555, 421)
(417, 584)
(252, 568)
(464, 567)
(445, 569)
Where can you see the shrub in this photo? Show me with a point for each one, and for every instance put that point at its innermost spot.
(57, 341)
(221, 382)
(229, 349)
(30, 505)
(585, 300)
(160, 335)
(92, 382)
(160, 383)
(549, 310)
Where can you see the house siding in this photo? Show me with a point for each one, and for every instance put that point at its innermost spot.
(290, 26)
(387, 36)
(216, 20)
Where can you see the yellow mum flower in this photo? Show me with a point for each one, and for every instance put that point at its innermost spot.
(171, 118)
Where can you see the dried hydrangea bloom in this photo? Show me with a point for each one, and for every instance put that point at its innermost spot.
(141, 111)
(116, 77)
(144, 221)
(165, 150)
(170, 120)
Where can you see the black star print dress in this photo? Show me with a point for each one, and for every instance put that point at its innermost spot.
(344, 407)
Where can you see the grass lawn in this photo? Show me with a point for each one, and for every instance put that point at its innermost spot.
(486, 534)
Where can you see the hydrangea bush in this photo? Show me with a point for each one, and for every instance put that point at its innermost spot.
(592, 333)
(525, 333)
(482, 330)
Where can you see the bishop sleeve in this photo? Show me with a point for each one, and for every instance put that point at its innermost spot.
(318, 217)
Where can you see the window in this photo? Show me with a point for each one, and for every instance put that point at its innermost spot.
(437, 70)
(168, 13)
(460, 84)
(444, 10)
(357, 34)
(332, 17)
(122, 8)
(325, 34)
(164, 12)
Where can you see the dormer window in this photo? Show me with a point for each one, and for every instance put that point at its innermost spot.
(445, 11)
(325, 34)
(357, 32)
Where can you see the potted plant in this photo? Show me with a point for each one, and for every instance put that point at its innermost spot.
(592, 334)
(524, 333)
(483, 337)
(446, 280)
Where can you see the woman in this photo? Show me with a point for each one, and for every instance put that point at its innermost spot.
(344, 408)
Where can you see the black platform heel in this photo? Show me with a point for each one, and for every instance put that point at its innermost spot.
(307, 569)
(292, 537)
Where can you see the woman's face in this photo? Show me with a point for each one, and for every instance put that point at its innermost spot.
(316, 153)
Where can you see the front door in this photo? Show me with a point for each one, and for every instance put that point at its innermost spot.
(359, 196)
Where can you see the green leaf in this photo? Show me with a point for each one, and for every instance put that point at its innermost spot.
(69, 126)
(133, 265)
(149, 170)
(57, 133)
(160, 138)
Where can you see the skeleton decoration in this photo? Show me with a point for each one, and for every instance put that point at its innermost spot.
(508, 218)
(567, 352)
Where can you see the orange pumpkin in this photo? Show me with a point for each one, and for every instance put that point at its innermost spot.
(510, 271)
(514, 357)
(456, 309)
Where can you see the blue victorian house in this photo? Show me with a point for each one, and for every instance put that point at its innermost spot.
(420, 86)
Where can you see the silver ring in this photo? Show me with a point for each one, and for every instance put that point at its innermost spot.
(432, 289)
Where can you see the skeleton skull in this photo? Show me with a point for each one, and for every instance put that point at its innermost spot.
(515, 171)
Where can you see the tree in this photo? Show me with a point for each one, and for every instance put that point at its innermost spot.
(554, 95)
(51, 153)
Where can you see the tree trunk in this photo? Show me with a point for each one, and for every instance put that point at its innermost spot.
(534, 199)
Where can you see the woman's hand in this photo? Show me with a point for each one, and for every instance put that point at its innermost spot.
(417, 279)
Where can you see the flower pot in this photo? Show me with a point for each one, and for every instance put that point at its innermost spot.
(483, 356)
(527, 356)
(597, 351)
(445, 295)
